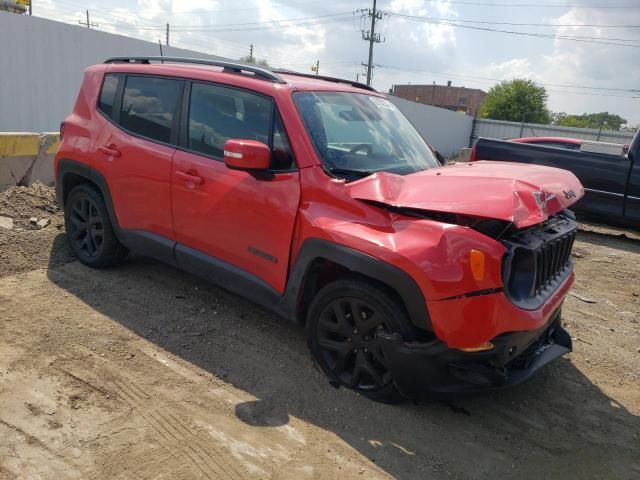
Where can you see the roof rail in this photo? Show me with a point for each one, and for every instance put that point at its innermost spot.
(328, 79)
(228, 67)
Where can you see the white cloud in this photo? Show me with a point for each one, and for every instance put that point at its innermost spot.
(593, 64)
(300, 39)
(514, 68)
(436, 35)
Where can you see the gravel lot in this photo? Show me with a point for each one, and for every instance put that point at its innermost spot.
(146, 372)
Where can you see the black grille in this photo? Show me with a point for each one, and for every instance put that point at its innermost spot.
(538, 259)
(552, 259)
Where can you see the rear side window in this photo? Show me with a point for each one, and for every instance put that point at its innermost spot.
(149, 105)
(217, 114)
(108, 94)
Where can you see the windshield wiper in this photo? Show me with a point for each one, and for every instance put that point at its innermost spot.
(347, 171)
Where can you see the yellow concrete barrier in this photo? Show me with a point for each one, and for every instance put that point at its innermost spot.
(26, 158)
(19, 144)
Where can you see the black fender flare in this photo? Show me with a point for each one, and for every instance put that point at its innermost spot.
(358, 262)
(65, 167)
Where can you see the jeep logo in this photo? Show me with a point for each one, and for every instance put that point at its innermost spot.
(569, 194)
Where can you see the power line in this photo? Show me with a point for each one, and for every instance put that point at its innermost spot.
(222, 28)
(554, 25)
(537, 5)
(120, 16)
(250, 26)
(342, 17)
(230, 27)
(200, 11)
(270, 22)
(237, 50)
(270, 58)
(493, 80)
(61, 12)
(436, 21)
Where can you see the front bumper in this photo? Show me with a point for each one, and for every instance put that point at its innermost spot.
(428, 370)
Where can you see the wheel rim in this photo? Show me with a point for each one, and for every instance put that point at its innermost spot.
(347, 337)
(86, 227)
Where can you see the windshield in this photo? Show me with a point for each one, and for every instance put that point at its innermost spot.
(358, 134)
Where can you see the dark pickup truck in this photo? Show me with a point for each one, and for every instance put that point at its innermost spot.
(611, 182)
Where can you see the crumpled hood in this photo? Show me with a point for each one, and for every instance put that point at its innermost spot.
(520, 193)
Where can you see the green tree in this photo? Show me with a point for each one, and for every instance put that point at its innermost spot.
(606, 120)
(255, 61)
(517, 100)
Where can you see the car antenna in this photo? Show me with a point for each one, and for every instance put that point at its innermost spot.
(160, 45)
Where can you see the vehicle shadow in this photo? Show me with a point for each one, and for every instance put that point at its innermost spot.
(557, 425)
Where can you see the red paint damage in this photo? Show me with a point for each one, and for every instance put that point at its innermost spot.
(514, 192)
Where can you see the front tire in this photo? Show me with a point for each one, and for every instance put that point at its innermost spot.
(342, 325)
(89, 230)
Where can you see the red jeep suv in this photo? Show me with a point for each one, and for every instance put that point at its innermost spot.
(316, 198)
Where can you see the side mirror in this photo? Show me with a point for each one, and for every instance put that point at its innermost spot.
(246, 155)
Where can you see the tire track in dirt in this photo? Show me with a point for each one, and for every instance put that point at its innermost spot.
(30, 439)
(189, 449)
(6, 474)
(175, 435)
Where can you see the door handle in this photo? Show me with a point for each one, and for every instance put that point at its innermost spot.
(190, 177)
(109, 150)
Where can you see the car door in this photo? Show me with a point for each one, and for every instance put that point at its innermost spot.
(632, 206)
(134, 152)
(241, 219)
(604, 178)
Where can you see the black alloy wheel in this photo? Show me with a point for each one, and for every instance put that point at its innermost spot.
(86, 227)
(89, 230)
(343, 323)
(347, 331)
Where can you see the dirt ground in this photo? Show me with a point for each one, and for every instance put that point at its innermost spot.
(144, 372)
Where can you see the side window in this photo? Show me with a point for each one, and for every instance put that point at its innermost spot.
(217, 114)
(148, 106)
(108, 94)
(281, 153)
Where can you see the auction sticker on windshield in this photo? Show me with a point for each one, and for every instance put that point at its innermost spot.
(382, 103)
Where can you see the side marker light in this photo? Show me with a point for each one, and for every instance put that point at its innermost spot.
(476, 260)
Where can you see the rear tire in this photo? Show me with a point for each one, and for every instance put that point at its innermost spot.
(343, 321)
(89, 230)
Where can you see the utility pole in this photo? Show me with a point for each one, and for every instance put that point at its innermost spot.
(30, 7)
(316, 68)
(167, 36)
(88, 23)
(372, 37)
(369, 71)
(251, 53)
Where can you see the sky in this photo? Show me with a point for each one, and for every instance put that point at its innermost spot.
(585, 52)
